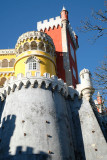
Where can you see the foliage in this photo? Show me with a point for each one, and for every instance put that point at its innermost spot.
(98, 24)
(100, 78)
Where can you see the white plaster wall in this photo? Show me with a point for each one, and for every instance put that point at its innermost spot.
(35, 106)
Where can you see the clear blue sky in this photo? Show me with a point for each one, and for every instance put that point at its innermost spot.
(20, 16)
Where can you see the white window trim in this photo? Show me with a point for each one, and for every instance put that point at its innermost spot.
(32, 64)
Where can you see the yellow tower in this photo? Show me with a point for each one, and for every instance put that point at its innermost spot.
(35, 53)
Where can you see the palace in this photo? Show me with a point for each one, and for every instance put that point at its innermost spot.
(45, 113)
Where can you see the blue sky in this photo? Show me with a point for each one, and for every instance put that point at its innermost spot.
(20, 16)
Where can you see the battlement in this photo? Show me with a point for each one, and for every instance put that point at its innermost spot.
(39, 81)
(85, 71)
(49, 24)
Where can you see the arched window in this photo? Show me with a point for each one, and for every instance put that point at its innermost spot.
(20, 50)
(26, 46)
(4, 63)
(2, 81)
(11, 63)
(41, 46)
(48, 49)
(33, 63)
(33, 45)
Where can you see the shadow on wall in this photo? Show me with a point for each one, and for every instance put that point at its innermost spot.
(2, 103)
(6, 131)
(76, 128)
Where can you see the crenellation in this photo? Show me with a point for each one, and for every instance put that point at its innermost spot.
(49, 24)
(17, 82)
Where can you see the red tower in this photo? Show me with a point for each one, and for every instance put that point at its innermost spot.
(66, 44)
(99, 98)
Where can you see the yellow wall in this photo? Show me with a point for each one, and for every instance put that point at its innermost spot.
(9, 70)
(46, 65)
(47, 62)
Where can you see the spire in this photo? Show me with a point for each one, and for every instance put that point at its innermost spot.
(98, 94)
(63, 9)
(99, 98)
(64, 14)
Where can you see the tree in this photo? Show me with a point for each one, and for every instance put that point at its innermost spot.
(100, 79)
(98, 25)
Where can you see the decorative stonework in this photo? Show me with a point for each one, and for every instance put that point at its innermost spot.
(34, 34)
(17, 82)
(49, 24)
(7, 51)
(40, 45)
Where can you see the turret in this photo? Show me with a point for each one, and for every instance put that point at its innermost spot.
(86, 84)
(64, 14)
(99, 98)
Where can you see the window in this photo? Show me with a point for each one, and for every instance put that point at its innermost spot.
(72, 52)
(4, 63)
(33, 63)
(11, 63)
(74, 73)
(26, 46)
(33, 45)
(20, 50)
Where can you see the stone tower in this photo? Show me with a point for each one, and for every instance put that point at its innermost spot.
(86, 83)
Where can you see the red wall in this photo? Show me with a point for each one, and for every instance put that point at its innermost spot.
(72, 63)
(55, 34)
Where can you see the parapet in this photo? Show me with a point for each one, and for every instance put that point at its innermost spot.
(7, 51)
(85, 71)
(49, 24)
(31, 81)
(55, 23)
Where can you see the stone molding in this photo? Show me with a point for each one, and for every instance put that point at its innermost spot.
(34, 34)
(17, 82)
(49, 24)
(7, 51)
